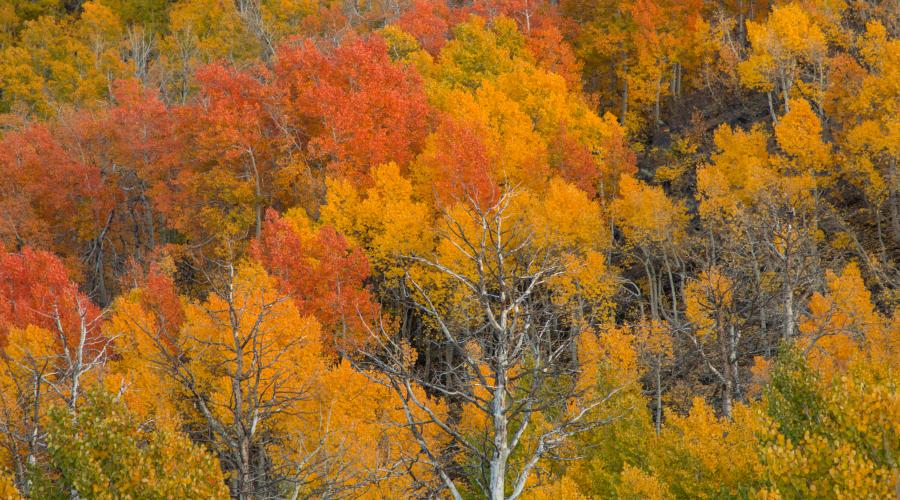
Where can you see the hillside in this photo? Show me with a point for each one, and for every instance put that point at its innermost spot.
(429, 249)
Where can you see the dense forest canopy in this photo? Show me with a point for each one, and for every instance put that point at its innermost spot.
(449, 249)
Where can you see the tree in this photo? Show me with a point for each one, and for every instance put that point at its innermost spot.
(507, 363)
(113, 159)
(247, 362)
(709, 306)
(770, 209)
(36, 291)
(831, 434)
(788, 51)
(655, 226)
(638, 51)
(324, 275)
(351, 107)
(231, 153)
(862, 105)
(52, 348)
(38, 214)
(608, 360)
(387, 222)
(655, 347)
(280, 415)
(58, 61)
(201, 32)
(103, 451)
(700, 454)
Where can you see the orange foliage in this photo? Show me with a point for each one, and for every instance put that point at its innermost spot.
(357, 107)
(35, 290)
(458, 166)
(324, 274)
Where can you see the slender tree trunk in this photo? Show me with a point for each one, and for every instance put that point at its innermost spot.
(658, 396)
(728, 382)
(771, 108)
(656, 104)
(258, 191)
(501, 429)
(788, 296)
(654, 295)
(894, 180)
(672, 287)
(244, 470)
(733, 339)
(624, 96)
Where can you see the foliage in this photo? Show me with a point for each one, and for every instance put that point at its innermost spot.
(510, 248)
(103, 451)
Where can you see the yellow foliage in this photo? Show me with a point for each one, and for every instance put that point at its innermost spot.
(57, 62)
(587, 284)
(706, 301)
(27, 357)
(138, 338)
(647, 216)
(288, 348)
(284, 17)
(565, 218)
(702, 456)
(654, 339)
(639, 485)
(739, 171)
(844, 325)
(562, 488)
(201, 32)
(787, 40)
(388, 221)
(799, 133)
(816, 467)
(359, 421)
(850, 436)
(7, 488)
(608, 358)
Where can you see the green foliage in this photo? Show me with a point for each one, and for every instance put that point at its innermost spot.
(102, 451)
(478, 52)
(792, 399)
(831, 437)
(151, 14)
(137, 135)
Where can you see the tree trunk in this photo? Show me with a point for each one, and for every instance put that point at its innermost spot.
(728, 383)
(894, 180)
(501, 428)
(244, 470)
(772, 108)
(658, 396)
(788, 297)
(624, 96)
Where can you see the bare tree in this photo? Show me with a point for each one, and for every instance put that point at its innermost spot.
(511, 356)
(240, 363)
(41, 368)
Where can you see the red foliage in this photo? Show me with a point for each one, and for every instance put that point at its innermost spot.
(618, 159)
(429, 22)
(554, 54)
(324, 275)
(460, 164)
(574, 162)
(60, 197)
(84, 177)
(35, 290)
(162, 297)
(231, 117)
(356, 106)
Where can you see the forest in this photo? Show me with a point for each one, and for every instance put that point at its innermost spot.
(538, 249)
